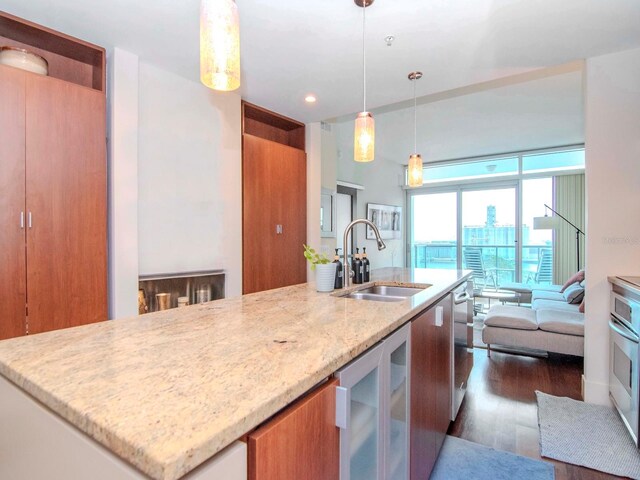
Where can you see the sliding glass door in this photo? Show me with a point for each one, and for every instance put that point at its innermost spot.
(489, 234)
(433, 230)
(537, 245)
(474, 227)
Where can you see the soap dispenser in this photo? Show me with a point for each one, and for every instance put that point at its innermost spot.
(338, 282)
(357, 267)
(366, 266)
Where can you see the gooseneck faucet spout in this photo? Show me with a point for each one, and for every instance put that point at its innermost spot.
(348, 273)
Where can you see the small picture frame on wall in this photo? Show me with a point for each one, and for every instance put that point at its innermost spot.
(388, 219)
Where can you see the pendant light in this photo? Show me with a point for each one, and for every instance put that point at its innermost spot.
(364, 134)
(415, 159)
(219, 44)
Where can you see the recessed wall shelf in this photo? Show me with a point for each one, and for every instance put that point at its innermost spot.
(69, 58)
(262, 123)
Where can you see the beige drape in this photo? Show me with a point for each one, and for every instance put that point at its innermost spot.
(570, 202)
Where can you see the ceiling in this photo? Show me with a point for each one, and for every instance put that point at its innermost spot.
(537, 111)
(294, 47)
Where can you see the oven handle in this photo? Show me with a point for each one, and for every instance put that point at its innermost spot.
(622, 331)
(461, 298)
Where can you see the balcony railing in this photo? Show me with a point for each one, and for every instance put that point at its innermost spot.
(500, 259)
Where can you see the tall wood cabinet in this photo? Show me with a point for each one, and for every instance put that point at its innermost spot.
(274, 193)
(53, 223)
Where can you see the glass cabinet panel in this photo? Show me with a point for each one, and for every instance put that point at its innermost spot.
(365, 411)
(398, 431)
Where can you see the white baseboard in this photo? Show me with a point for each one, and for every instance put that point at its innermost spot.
(596, 392)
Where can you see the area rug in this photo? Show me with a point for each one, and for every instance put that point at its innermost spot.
(463, 460)
(584, 434)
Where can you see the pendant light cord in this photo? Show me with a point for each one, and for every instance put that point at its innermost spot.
(415, 118)
(364, 60)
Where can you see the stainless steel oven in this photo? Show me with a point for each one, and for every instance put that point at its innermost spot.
(624, 328)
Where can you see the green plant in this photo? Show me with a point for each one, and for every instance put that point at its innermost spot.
(314, 257)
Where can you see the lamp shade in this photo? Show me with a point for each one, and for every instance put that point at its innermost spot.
(219, 44)
(545, 223)
(364, 138)
(414, 172)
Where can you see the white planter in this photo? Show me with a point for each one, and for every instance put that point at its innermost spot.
(325, 277)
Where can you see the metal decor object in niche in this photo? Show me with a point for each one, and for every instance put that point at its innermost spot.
(198, 287)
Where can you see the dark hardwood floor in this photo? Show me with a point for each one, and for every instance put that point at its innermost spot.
(500, 411)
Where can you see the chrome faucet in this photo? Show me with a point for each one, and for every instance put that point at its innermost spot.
(348, 273)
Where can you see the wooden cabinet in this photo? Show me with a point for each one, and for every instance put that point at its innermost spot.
(300, 442)
(431, 343)
(13, 293)
(53, 269)
(274, 172)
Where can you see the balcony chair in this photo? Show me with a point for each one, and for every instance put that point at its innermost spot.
(544, 272)
(482, 277)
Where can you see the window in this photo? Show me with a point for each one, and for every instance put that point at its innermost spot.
(492, 168)
(484, 209)
(433, 230)
(553, 161)
(537, 245)
(499, 167)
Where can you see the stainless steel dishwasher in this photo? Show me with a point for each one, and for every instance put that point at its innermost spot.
(462, 350)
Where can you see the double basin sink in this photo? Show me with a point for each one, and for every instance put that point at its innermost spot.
(383, 293)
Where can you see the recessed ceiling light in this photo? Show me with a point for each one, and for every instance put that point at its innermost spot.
(310, 99)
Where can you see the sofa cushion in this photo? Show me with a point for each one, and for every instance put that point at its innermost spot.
(557, 321)
(547, 295)
(529, 287)
(574, 293)
(510, 316)
(577, 277)
(553, 305)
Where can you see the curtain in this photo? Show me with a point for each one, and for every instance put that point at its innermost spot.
(568, 199)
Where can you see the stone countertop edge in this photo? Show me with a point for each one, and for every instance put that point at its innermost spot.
(168, 390)
(624, 284)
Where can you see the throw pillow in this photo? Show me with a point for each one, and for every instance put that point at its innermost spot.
(578, 277)
(574, 293)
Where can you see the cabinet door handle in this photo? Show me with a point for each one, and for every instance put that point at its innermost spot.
(30, 220)
(439, 316)
(21, 219)
(342, 407)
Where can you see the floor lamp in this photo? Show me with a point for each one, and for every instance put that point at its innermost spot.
(548, 223)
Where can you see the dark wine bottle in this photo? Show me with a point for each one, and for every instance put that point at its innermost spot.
(366, 266)
(357, 267)
(336, 260)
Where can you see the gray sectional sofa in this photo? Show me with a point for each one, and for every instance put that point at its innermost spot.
(551, 324)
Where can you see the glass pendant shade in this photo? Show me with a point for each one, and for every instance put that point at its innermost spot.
(415, 170)
(364, 144)
(219, 44)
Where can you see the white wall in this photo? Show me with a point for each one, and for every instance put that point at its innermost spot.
(612, 107)
(123, 183)
(189, 178)
(329, 177)
(313, 147)
(381, 180)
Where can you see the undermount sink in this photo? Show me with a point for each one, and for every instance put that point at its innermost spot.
(391, 290)
(384, 293)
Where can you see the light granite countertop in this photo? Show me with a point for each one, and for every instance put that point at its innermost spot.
(166, 391)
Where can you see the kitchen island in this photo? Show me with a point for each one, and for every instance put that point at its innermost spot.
(167, 391)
